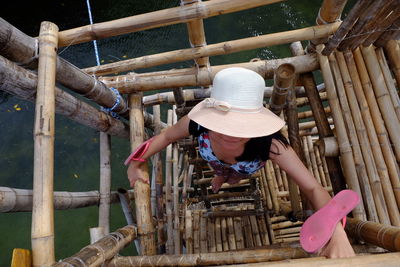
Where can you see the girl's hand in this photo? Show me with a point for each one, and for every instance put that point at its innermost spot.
(339, 245)
(135, 173)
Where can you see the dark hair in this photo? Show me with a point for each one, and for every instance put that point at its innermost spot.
(259, 147)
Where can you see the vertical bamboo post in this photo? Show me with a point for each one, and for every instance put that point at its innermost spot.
(189, 231)
(343, 140)
(168, 194)
(218, 234)
(175, 175)
(142, 190)
(203, 233)
(43, 170)
(159, 184)
(324, 130)
(105, 182)
(283, 81)
(211, 234)
(382, 97)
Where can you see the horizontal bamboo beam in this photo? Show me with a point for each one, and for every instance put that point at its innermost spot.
(156, 19)
(373, 260)
(203, 77)
(197, 94)
(222, 48)
(19, 200)
(22, 84)
(18, 47)
(103, 250)
(216, 258)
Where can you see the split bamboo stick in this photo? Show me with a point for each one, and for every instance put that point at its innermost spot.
(168, 192)
(231, 234)
(263, 231)
(23, 50)
(42, 233)
(206, 259)
(203, 233)
(320, 167)
(324, 130)
(201, 77)
(196, 231)
(249, 240)
(377, 178)
(103, 250)
(389, 81)
(17, 200)
(224, 234)
(255, 231)
(271, 185)
(309, 113)
(66, 104)
(313, 159)
(344, 144)
(222, 48)
(156, 19)
(382, 97)
(175, 175)
(218, 234)
(105, 182)
(142, 190)
(238, 230)
(211, 235)
(384, 236)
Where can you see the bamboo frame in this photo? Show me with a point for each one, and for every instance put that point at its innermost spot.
(105, 182)
(142, 190)
(155, 19)
(214, 49)
(345, 151)
(42, 233)
(201, 77)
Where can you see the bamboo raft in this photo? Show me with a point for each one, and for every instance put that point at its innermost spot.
(348, 136)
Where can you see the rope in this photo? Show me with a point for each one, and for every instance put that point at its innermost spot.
(94, 41)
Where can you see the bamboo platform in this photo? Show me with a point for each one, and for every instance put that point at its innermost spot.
(347, 135)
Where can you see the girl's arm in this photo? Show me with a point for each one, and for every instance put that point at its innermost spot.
(159, 142)
(287, 160)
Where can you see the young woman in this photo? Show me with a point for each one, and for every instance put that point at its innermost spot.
(237, 134)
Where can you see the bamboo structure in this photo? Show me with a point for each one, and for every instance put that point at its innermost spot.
(345, 130)
(43, 175)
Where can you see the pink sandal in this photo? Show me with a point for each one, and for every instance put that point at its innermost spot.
(319, 227)
(139, 152)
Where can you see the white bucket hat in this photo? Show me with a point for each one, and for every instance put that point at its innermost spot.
(235, 107)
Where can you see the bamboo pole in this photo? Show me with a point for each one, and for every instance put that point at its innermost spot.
(249, 240)
(168, 189)
(231, 234)
(206, 259)
(201, 77)
(263, 231)
(381, 235)
(377, 178)
(376, 129)
(42, 232)
(224, 234)
(175, 175)
(222, 48)
(320, 167)
(283, 80)
(255, 231)
(324, 130)
(103, 250)
(18, 200)
(105, 182)
(237, 223)
(159, 185)
(22, 49)
(344, 144)
(211, 235)
(382, 97)
(389, 81)
(142, 190)
(313, 159)
(203, 234)
(270, 181)
(66, 104)
(156, 19)
(392, 50)
(196, 231)
(218, 234)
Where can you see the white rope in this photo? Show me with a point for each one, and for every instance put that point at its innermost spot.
(94, 41)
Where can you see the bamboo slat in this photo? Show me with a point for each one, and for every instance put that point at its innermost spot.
(231, 234)
(362, 150)
(156, 19)
(103, 250)
(238, 230)
(249, 240)
(218, 234)
(105, 182)
(382, 97)
(271, 186)
(263, 230)
(345, 149)
(313, 159)
(203, 233)
(211, 235)
(392, 50)
(42, 232)
(175, 175)
(324, 130)
(201, 77)
(205, 259)
(255, 231)
(189, 231)
(224, 234)
(142, 190)
(222, 48)
(66, 104)
(196, 231)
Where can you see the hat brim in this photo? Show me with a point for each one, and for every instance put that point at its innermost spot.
(236, 124)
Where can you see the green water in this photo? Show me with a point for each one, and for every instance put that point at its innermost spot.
(76, 146)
